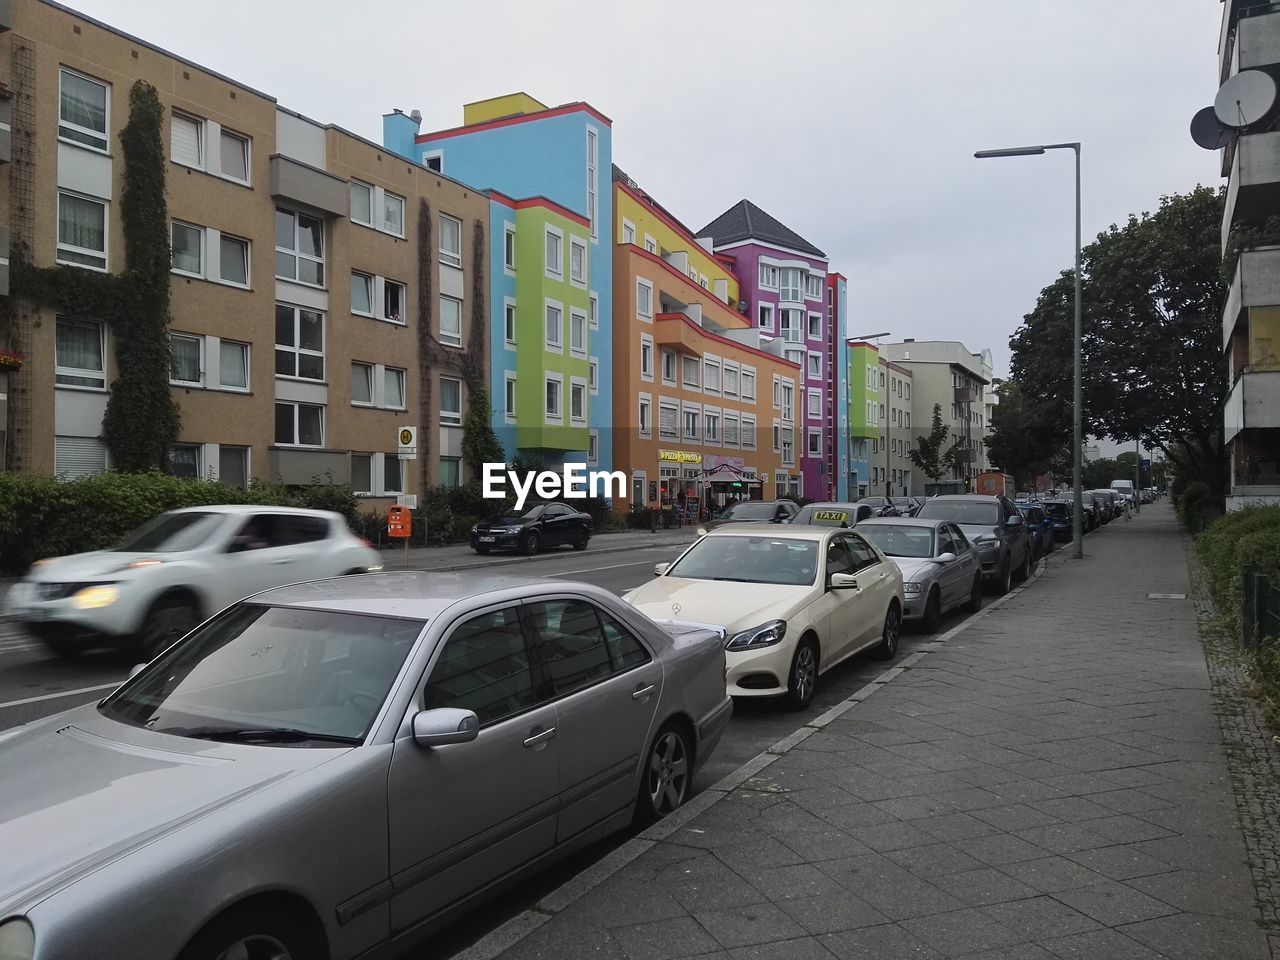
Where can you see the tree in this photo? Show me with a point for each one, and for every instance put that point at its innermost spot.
(929, 455)
(1024, 437)
(479, 443)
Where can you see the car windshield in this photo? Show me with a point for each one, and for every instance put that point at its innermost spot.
(172, 533)
(751, 510)
(275, 675)
(976, 513)
(513, 517)
(778, 560)
(900, 540)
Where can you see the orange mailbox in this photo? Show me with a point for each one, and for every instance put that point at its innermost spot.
(399, 522)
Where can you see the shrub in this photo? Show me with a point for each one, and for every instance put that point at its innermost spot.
(1195, 505)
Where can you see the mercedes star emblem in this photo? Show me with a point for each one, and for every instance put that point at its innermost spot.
(675, 609)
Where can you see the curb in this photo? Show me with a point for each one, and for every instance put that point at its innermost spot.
(501, 939)
(509, 561)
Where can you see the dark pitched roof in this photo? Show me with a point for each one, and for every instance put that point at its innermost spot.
(745, 221)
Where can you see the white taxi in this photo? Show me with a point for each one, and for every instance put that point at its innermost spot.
(794, 601)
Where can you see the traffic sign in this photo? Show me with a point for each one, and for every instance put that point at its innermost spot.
(407, 442)
(1146, 463)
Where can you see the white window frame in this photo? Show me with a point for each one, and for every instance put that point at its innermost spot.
(813, 433)
(244, 242)
(748, 426)
(766, 316)
(404, 303)
(725, 369)
(670, 381)
(383, 227)
(815, 403)
(509, 396)
(451, 418)
(104, 253)
(647, 341)
(383, 371)
(248, 369)
(510, 322)
(450, 258)
(747, 376)
(447, 338)
(650, 244)
(373, 294)
(557, 345)
(809, 280)
(300, 351)
(104, 135)
(593, 375)
(809, 366)
(696, 385)
(814, 331)
(200, 272)
(555, 417)
(644, 424)
(643, 284)
(369, 369)
(577, 322)
(593, 181)
(553, 233)
(768, 277)
(201, 146)
(711, 432)
(574, 245)
(628, 231)
(200, 361)
(509, 247)
(709, 364)
(247, 142)
(578, 386)
(297, 254)
(673, 406)
(355, 184)
(693, 410)
(297, 409)
(788, 401)
(593, 446)
(593, 310)
(727, 418)
(790, 293)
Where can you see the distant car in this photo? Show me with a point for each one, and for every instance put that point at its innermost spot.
(907, 506)
(1039, 526)
(883, 506)
(1092, 511)
(995, 527)
(1107, 505)
(541, 526)
(794, 602)
(333, 769)
(754, 511)
(1059, 514)
(940, 568)
(178, 569)
(833, 514)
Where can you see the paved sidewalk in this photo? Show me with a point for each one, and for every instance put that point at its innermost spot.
(1048, 783)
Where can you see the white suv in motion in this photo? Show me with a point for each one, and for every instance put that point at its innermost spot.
(178, 569)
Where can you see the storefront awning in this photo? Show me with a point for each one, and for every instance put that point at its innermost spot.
(727, 473)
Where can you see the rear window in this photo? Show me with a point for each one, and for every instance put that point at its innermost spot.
(753, 510)
(975, 513)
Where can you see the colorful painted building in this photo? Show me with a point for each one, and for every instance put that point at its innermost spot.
(784, 293)
(865, 398)
(704, 393)
(556, 160)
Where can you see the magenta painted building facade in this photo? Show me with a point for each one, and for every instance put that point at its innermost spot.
(783, 280)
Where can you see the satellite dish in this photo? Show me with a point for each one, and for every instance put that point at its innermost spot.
(1208, 131)
(1245, 99)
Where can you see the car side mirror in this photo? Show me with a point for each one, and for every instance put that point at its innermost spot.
(136, 669)
(445, 725)
(947, 557)
(660, 568)
(1013, 522)
(844, 581)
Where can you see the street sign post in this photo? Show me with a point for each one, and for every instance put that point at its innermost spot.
(407, 443)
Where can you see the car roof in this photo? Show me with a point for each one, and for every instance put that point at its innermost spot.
(773, 531)
(843, 505)
(411, 594)
(240, 509)
(902, 522)
(977, 497)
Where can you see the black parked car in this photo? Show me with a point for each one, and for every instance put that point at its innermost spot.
(543, 525)
(883, 506)
(1092, 512)
(1059, 514)
(1039, 527)
(907, 506)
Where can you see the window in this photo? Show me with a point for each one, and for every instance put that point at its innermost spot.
(393, 388)
(691, 418)
(789, 284)
(578, 262)
(450, 402)
(628, 232)
(815, 366)
(362, 384)
(646, 357)
(578, 401)
(593, 375)
(435, 162)
(186, 249)
(768, 277)
(83, 110)
(484, 667)
(813, 286)
(646, 416)
(555, 327)
(593, 180)
(186, 141)
(593, 446)
(577, 332)
(299, 247)
(748, 385)
(82, 231)
(393, 215)
(668, 367)
(790, 326)
(815, 443)
(552, 407)
(711, 377)
(450, 472)
(362, 294)
(815, 326)
(509, 248)
(451, 321)
(777, 393)
(509, 397)
(881, 379)
(233, 260)
(788, 401)
(668, 421)
(509, 323)
(894, 415)
(233, 466)
(79, 457)
(362, 203)
(766, 316)
(691, 372)
(777, 437)
(393, 301)
(731, 430)
(299, 342)
(650, 244)
(748, 433)
(788, 448)
(234, 151)
(554, 253)
(815, 403)
(299, 424)
(712, 427)
(184, 460)
(185, 355)
(450, 241)
(593, 311)
(233, 365)
(567, 639)
(730, 381)
(79, 349)
(644, 300)
(392, 473)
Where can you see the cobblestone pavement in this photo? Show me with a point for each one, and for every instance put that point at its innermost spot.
(1050, 783)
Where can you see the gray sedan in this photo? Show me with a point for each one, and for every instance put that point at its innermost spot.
(330, 768)
(940, 568)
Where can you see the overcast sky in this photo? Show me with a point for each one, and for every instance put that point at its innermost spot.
(852, 121)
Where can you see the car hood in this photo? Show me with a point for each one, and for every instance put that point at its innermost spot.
(87, 566)
(914, 568)
(980, 531)
(734, 606)
(79, 790)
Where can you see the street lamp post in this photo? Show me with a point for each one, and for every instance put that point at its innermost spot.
(1077, 533)
(887, 494)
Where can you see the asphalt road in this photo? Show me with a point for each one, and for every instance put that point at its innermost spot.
(34, 683)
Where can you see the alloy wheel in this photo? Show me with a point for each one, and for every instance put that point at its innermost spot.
(256, 947)
(804, 674)
(668, 773)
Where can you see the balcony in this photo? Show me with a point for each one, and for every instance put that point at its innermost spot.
(1256, 284)
(677, 332)
(309, 186)
(1247, 40)
(1253, 194)
(1252, 404)
(966, 455)
(966, 395)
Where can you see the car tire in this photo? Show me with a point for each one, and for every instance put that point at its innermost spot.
(1004, 579)
(891, 632)
(255, 931)
(802, 675)
(62, 647)
(530, 543)
(932, 612)
(483, 551)
(168, 621)
(581, 539)
(975, 596)
(1024, 568)
(666, 780)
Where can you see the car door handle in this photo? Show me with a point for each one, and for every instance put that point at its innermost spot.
(643, 693)
(284, 560)
(541, 737)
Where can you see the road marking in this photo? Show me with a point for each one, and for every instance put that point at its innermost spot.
(62, 693)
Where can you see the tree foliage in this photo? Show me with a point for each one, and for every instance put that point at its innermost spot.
(931, 454)
(1024, 438)
(480, 444)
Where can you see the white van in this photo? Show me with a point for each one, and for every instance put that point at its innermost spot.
(1124, 488)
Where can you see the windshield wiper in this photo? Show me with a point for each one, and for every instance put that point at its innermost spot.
(734, 579)
(264, 734)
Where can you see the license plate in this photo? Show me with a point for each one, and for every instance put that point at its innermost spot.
(488, 539)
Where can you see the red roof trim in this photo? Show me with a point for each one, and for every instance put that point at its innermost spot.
(658, 261)
(837, 276)
(725, 340)
(508, 121)
(540, 201)
(670, 221)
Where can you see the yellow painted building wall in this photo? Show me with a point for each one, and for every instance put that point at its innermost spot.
(648, 221)
(509, 105)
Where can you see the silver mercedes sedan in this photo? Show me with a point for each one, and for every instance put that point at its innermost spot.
(940, 567)
(339, 767)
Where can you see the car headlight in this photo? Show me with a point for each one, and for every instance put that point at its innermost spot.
(765, 635)
(475, 527)
(911, 588)
(987, 544)
(94, 598)
(17, 939)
